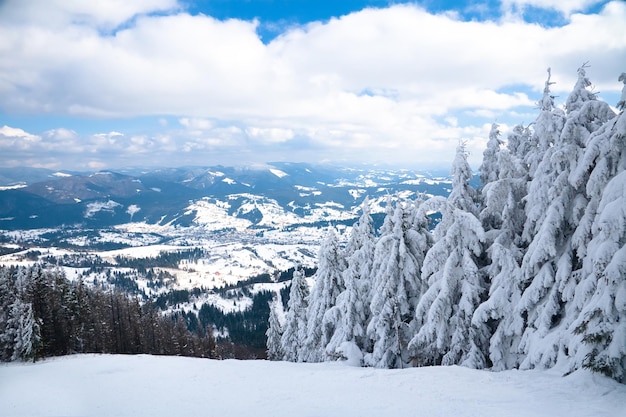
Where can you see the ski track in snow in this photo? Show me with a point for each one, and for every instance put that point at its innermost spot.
(143, 385)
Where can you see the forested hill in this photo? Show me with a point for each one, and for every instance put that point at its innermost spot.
(529, 271)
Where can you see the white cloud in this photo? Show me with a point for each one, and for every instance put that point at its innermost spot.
(270, 135)
(370, 84)
(105, 14)
(564, 6)
(8, 133)
(196, 123)
(61, 134)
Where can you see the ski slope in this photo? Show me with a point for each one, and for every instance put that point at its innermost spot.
(108, 385)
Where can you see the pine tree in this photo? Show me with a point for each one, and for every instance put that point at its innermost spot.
(274, 334)
(555, 209)
(621, 104)
(294, 333)
(547, 129)
(443, 316)
(351, 312)
(502, 218)
(328, 285)
(7, 298)
(519, 144)
(26, 331)
(580, 94)
(396, 287)
(22, 326)
(489, 170)
(599, 332)
(602, 321)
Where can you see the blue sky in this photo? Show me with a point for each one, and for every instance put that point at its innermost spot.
(112, 84)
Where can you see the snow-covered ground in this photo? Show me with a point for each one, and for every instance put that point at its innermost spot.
(108, 385)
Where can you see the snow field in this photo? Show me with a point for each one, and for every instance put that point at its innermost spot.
(106, 385)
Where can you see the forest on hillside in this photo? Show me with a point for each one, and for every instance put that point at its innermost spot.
(528, 271)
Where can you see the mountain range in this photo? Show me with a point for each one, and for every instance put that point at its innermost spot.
(269, 196)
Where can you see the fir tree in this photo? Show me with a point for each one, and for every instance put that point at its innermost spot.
(7, 298)
(396, 287)
(274, 334)
(555, 210)
(443, 316)
(294, 330)
(503, 218)
(599, 297)
(621, 104)
(489, 170)
(26, 331)
(602, 321)
(328, 285)
(547, 129)
(351, 312)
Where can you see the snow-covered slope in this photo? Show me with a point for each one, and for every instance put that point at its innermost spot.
(100, 385)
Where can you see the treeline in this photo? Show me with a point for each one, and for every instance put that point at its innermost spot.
(162, 260)
(44, 314)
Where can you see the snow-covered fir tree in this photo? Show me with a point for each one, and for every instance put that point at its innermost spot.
(519, 144)
(580, 94)
(502, 218)
(26, 332)
(274, 333)
(328, 285)
(546, 130)
(599, 328)
(396, 286)
(621, 104)
(351, 311)
(555, 208)
(489, 169)
(7, 298)
(295, 328)
(22, 331)
(602, 321)
(445, 334)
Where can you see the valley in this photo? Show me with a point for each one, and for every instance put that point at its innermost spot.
(186, 238)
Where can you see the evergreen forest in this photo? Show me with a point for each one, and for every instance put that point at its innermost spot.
(526, 271)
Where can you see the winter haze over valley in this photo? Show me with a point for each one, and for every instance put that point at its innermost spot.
(403, 208)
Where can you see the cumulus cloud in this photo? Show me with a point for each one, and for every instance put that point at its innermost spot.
(564, 7)
(374, 84)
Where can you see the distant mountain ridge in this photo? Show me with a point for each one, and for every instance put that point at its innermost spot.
(264, 196)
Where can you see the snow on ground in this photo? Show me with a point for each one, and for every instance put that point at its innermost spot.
(106, 385)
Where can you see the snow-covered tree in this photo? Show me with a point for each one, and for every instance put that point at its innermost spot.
(274, 334)
(26, 331)
(328, 285)
(294, 330)
(445, 334)
(22, 326)
(599, 334)
(396, 286)
(7, 298)
(602, 322)
(546, 129)
(554, 210)
(621, 104)
(489, 169)
(503, 219)
(351, 311)
(580, 94)
(519, 144)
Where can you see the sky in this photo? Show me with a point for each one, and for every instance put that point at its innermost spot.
(165, 83)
